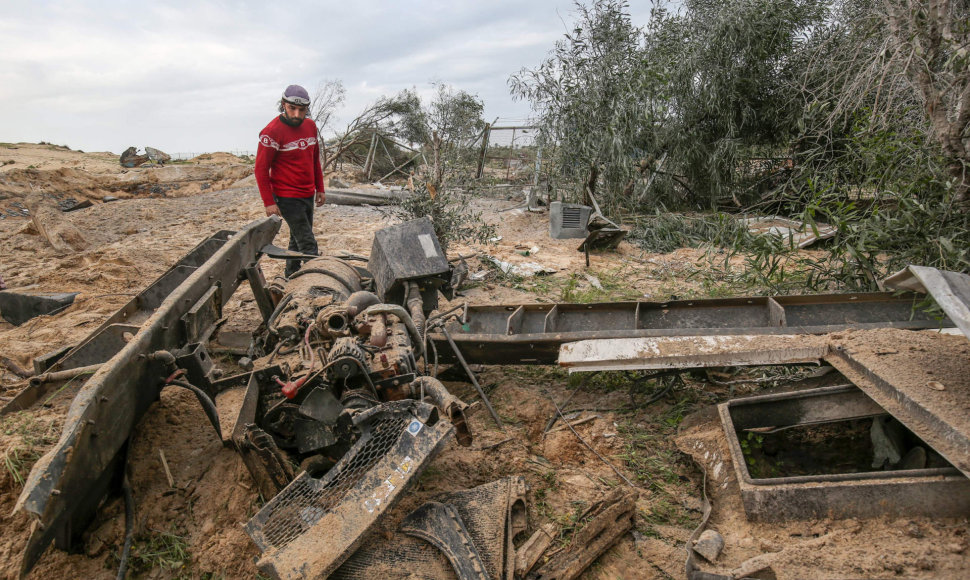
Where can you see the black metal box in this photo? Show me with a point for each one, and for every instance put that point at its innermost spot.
(408, 251)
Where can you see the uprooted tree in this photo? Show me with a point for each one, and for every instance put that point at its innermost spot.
(853, 112)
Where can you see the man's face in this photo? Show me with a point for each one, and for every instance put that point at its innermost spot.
(294, 113)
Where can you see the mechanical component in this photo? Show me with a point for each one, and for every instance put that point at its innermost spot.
(333, 321)
(313, 525)
(347, 358)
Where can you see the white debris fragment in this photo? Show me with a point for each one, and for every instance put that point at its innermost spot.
(524, 269)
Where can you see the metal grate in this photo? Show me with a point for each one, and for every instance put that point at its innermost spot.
(571, 217)
(304, 502)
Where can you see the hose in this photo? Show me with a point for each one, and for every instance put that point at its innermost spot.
(360, 300)
(416, 308)
(276, 312)
(207, 405)
(401, 313)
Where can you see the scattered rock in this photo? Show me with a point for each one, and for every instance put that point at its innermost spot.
(887, 441)
(338, 183)
(757, 565)
(709, 545)
(915, 458)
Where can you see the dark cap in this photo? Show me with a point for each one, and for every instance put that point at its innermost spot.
(296, 95)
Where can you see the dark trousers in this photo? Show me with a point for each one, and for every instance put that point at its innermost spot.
(298, 213)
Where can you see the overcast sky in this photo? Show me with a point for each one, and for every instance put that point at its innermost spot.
(205, 76)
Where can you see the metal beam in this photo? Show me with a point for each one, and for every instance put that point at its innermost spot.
(69, 481)
(538, 330)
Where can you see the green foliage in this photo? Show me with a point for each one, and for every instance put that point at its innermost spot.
(731, 69)
(453, 220)
(710, 84)
(159, 549)
(665, 232)
(593, 98)
(444, 127)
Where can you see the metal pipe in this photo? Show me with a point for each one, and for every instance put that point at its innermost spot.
(471, 376)
(450, 406)
(416, 308)
(401, 313)
(67, 375)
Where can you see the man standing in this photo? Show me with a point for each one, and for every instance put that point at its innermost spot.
(288, 171)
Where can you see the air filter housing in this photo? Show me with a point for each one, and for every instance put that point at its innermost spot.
(405, 252)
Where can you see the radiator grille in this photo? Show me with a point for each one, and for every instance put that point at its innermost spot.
(298, 507)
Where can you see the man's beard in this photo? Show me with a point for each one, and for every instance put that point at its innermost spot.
(291, 121)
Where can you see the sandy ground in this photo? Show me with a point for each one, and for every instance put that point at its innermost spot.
(193, 530)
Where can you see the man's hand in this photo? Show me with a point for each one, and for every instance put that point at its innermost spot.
(272, 210)
(321, 198)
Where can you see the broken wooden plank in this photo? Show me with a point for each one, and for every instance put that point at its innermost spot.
(528, 555)
(611, 518)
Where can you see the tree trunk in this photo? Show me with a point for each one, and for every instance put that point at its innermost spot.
(594, 173)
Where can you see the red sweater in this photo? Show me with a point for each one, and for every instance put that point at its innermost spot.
(288, 161)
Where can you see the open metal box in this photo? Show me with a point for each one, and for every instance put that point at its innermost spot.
(941, 491)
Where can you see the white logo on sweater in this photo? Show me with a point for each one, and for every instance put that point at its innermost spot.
(267, 141)
(299, 144)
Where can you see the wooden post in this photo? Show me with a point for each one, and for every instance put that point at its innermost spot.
(481, 158)
(508, 167)
(369, 161)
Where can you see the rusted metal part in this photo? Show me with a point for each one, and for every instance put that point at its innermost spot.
(450, 406)
(111, 403)
(61, 376)
(313, 525)
(611, 518)
(533, 333)
(109, 338)
(471, 376)
(492, 514)
(931, 492)
(440, 525)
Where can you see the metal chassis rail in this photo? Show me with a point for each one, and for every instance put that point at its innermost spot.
(68, 483)
(533, 333)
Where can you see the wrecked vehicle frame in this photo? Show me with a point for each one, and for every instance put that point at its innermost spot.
(90, 456)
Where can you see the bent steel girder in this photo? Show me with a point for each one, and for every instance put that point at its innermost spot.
(66, 485)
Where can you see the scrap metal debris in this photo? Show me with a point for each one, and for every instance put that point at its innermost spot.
(473, 531)
(130, 157)
(524, 269)
(335, 390)
(19, 307)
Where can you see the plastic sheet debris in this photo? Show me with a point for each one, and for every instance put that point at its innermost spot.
(798, 234)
